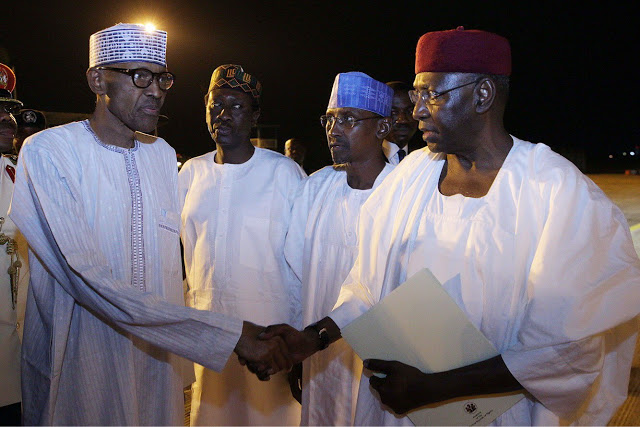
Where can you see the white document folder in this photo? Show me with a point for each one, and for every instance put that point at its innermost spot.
(421, 325)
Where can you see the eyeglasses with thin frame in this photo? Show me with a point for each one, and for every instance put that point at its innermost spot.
(142, 78)
(347, 122)
(10, 108)
(430, 97)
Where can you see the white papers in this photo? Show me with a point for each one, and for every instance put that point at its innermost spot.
(420, 325)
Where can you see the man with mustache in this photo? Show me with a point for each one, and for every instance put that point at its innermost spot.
(322, 242)
(13, 259)
(531, 250)
(236, 211)
(403, 125)
(98, 203)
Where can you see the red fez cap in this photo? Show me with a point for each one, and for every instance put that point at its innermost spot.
(463, 51)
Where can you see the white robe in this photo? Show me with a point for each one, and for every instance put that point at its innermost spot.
(321, 247)
(234, 221)
(103, 309)
(543, 265)
(11, 316)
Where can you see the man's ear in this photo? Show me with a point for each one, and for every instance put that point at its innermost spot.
(96, 81)
(384, 127)
(485, 95)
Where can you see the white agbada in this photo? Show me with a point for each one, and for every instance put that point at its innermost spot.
(321, 247)
(103, 309)
(11, 312)
(234, 221)
(543, 265)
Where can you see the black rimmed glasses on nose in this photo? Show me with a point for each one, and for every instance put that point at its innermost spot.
(142, 78)
(429, 97)
(347, 122)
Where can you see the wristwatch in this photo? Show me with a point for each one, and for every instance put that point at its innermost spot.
(323, 335)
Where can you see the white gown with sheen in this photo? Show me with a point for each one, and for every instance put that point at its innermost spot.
(234, 221)
(321, 247)
(543, 265)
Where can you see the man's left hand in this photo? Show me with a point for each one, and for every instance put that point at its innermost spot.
(403, 388)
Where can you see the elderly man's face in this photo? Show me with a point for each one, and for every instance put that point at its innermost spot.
(8, 128)
(137, 108)
(230, 116)
(357, 144)
(403, 126)
(446, 122)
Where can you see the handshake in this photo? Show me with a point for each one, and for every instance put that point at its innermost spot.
(266, 351)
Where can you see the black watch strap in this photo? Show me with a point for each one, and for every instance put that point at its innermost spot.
(323, 335)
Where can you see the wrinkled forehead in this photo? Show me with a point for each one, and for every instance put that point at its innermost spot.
(132, 65)
(343, 111)
(429, 79)
(231, 94)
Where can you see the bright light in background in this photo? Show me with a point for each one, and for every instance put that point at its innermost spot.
(150, 26)
(611, 156)
(624, 154)
(632, 153)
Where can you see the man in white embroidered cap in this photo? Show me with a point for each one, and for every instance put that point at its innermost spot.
(98, 203)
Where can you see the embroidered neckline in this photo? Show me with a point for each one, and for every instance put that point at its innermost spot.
(87, 126)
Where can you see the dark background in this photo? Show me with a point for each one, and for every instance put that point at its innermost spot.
(574, 81)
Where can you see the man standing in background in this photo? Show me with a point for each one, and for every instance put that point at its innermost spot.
(403, 125)
(236, 210)
(13, 259)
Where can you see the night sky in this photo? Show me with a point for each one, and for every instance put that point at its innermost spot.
(573, 83)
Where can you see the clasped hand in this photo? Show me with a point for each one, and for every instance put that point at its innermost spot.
(266, 351)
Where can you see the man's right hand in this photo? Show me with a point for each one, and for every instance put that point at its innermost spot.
(301, 344)
(263, 357)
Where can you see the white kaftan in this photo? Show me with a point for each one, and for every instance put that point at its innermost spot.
(105, 304)
(321, 247)
(234, 221)
(11, 303)
(543, 265)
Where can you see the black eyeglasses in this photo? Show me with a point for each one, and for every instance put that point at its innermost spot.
(143, 78)
(10, 108)
(429, 97)
(347, 122)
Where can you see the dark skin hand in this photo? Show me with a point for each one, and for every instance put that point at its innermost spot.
(263, 357)
(302, 344)
(406, 388)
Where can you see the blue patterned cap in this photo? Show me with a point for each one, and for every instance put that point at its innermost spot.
(127, 43)
(358, 90)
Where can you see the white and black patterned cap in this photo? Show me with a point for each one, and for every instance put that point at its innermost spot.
(127, 43)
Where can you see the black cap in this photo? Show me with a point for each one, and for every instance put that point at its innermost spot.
(29, 117)
(6, 96)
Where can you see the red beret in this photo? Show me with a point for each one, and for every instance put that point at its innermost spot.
(463, 51)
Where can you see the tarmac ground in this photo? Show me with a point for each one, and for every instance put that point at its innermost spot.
(624, 191)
